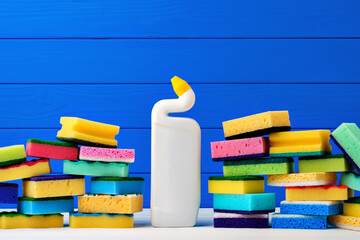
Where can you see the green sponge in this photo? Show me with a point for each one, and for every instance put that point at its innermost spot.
(351, 180)
(12, 155)
(263, 166)
(329, 163)
(347, 138)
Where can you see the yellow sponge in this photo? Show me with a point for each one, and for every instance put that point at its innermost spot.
(25, 170)
(89, 133)
(317, 193)
(10, 220)
(352, 207)
(53, 186)
(236, 185)
(121, 204)
(302, 179)
(300, 143)
(101, 220)
(257, 125)
(346, 222)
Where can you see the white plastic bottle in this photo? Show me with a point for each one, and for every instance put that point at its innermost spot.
(175, 161)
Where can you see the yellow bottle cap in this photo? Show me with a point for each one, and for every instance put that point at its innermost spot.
(180, 86)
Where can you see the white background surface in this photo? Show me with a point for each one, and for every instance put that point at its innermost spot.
(203, 230)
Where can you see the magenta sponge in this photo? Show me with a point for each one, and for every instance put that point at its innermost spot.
(107, 154)
(240, 148)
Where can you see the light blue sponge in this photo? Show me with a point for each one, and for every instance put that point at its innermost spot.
(35, 206)
(322, 208)
(96, 168)
(298, 221)
(351, 180)
(117, 185)
(245, 203)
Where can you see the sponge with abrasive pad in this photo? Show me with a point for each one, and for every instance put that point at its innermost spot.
(235, 220)
(351, 180)
(345, 222)
(300, 143)
(117, 185)
(321, 208)
(53, 186)
(51, 149)
(101, 220)
(106, 154)
(240, 148)
(89, 133)
(327, 163)
(302, 179)
(236, 185)
(35, 206)
(25, 170)
(257, 125)
(317, 193)
(12, 220)
(258, 167)
(96, 168)
(12, 155)
(8, 193)
(298, 221)
(352, 207)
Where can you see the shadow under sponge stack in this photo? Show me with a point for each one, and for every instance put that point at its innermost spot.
(239, 200)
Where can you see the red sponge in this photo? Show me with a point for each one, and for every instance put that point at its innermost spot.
(51, 149)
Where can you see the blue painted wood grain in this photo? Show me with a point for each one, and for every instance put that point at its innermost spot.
(196, 60)
(129, 105)
(178, 19)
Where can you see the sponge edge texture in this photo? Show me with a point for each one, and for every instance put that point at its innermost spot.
(119, 204)
(101, 220)
(96, 169)
(53, 186)
(51, 149)
(317, 193)
(25, 170)
(347, 138)
(106, 154)
(345, 222)
(322, 208)
(89, 133)
(259, 167)
(236, 185)
(300, 143)
(35, 206)
(351, 180)
(257, 125)
(12, 155)
(244, 203)
(8, 193)
(117, 185)
(12, 220)
(329, 163)
(298, 221)
(240, 148)
(234, 220)
(302, 179)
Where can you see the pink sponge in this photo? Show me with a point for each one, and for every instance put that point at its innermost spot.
(51, 149)
(107, 154)
(240, 148)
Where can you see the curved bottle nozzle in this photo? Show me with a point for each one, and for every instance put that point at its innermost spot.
(180, 86)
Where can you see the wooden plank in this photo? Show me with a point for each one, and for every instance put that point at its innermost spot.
(130, 105)
(138, 139)
(197, 61)
(179, 19)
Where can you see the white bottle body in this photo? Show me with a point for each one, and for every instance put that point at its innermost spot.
(175, 164)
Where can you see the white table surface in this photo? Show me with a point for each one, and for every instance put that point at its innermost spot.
(203, 230)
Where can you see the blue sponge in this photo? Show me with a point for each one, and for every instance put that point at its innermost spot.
(298, 221)
(245, 203)
(8, 193)
(117, 185)
(322, 208)
(35, 206)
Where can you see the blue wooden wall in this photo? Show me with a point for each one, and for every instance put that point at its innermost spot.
(110, 61)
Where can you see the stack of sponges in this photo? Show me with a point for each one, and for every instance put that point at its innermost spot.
(347, 138)
(13, 166)
(114, 196)
(239, 198)
(311, 196)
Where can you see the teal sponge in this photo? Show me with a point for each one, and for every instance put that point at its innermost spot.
(351, 180)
